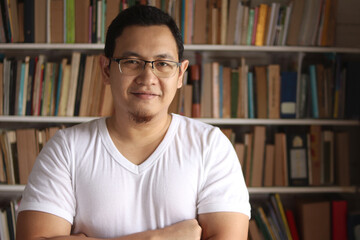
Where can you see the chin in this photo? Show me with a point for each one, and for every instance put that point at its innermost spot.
(141, 117)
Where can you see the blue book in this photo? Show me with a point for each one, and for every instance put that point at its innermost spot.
(251, 95)
(288, 95)
(21, 90)
(313, 89)
(221, 90)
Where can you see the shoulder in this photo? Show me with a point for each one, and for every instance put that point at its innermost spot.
(195, 132)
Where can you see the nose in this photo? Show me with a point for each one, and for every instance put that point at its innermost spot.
(147, 76)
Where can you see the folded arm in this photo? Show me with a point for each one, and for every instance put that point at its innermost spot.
(34, 225)
(224, 225)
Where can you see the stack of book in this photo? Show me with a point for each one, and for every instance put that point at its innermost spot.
(201, 22)
(37, 87)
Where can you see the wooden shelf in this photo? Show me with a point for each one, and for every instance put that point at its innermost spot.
(302, 190)
(214, 121)
(192, 47)
(15, 191)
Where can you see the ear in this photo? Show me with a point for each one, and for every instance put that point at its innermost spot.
(105, 69)
(183, 67)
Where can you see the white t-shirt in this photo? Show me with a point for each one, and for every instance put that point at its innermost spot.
(82, 177)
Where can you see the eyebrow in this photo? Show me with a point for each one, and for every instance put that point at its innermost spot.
(159, 56)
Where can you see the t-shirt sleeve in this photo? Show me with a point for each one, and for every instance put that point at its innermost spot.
(49, 188)
(223, 188)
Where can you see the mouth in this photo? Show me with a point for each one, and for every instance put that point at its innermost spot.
(145, 95)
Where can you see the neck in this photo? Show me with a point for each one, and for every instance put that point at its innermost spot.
(130, 129)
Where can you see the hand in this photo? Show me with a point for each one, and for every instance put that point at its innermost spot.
(185, 230)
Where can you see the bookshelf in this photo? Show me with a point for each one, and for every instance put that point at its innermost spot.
(261, 55)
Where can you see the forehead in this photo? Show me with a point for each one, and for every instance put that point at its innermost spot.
(146, 41)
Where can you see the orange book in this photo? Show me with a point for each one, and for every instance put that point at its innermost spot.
(261, 25)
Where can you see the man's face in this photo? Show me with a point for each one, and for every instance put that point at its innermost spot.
(145, 95)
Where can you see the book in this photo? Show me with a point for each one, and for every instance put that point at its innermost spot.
(188, 91)
(27, 151)
(281, 208)
(195, 81)
(339, 210)
(352, 107)
(29, 21)
(269, 165)
(38, 81)
(230, 37)
(234, 92)
(14, 20)
(274, 85)
(261, 91)
(327, 157)
(297, 159)
(40, 21)
(251, 93)
(226, 103)
(74, 74)
(57, 21)
(206, 91)
(85, 94)
(342, 158)
(248, 142)
(240, 151)
(70, 19)
(215, 90)
(315, 220)
(316, 155)
(292, 224)
(314, 91)
(280, 160)
(353, 225)
(288, 94)
(112, 10)
(82, 20)
(295, 22)
(261, 25)
(250, 26)
(258, 156)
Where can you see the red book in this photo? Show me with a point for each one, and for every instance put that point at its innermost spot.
(339, 223)
(292, 225)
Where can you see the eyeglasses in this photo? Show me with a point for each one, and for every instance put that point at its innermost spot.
(134, 67)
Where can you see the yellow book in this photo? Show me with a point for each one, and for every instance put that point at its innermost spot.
(261, 25)
(283, 216)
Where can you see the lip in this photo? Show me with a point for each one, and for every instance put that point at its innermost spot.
(145, 95)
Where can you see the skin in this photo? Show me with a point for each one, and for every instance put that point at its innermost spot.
(137, 127)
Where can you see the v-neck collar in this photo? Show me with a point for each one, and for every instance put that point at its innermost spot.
(118, 157)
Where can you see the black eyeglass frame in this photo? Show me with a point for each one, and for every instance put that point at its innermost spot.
(117, 60)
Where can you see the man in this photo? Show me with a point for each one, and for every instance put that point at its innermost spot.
(142, 173)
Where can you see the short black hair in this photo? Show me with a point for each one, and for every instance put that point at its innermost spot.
(141, 15)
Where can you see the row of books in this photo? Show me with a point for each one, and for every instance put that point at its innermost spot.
(71, 87)
(8, 220)
(214, 90)
(57, 21)
(18, 151)
(309, 219)
(201, 22)
(234, 22)
(293, 157)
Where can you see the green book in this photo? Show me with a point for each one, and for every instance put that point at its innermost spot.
(250, 26)
(70, 21)
(234, 92)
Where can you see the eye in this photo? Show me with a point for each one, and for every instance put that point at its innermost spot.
(130, 61)
(162, 64)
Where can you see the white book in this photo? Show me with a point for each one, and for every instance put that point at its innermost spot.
(238, 24)
(74, 73)
(286, 25)
(272, 24)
